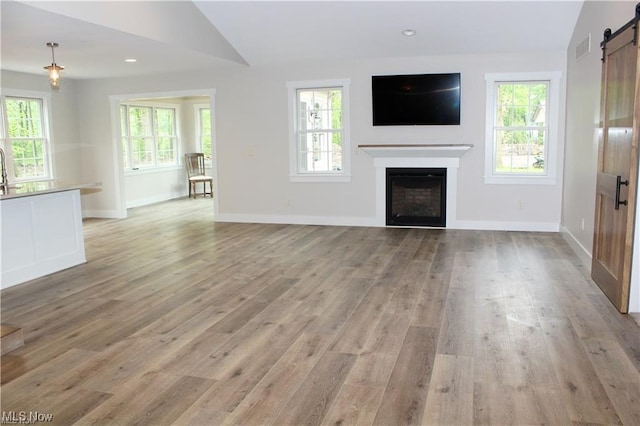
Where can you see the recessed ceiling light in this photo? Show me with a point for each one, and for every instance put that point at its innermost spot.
(130, 60)
(409, 32)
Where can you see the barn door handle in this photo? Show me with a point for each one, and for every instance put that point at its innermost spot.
(620, 182)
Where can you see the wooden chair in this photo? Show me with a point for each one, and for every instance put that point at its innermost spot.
(196, 174)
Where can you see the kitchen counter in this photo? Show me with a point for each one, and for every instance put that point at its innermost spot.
(27, 189)
(41, 230)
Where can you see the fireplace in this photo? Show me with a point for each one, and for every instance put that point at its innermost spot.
(416, 197)
(417, 156)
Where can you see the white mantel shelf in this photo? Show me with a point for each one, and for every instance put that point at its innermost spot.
(416, 150)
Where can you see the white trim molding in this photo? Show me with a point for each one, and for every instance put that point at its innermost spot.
(345, 174)
(553, 154)
(446, 156)
(297, 220)
(451, 164)
(487, 225)
(581, 251)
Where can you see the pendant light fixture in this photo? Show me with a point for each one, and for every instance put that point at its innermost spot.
(54, 69)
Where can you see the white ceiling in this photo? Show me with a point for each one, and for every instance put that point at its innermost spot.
(164, 36)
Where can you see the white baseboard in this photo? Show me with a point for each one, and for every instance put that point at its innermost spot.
(586, 257)
(482, 225)
(372, 221)
(297, 220)
(101, 214)
(580, 250)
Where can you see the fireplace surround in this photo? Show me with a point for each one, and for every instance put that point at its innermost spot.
(446, 156)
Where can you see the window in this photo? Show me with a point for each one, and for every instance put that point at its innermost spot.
(522, 127)
(319, 145)
(203, 130)
(149, 136)
(25, 138)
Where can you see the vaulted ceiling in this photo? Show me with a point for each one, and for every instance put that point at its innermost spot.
(95, 37)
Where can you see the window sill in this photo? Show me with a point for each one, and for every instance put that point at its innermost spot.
(320, 178)
(519, 180)
(145, 171)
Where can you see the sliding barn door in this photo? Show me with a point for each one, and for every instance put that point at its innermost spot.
(617, 165)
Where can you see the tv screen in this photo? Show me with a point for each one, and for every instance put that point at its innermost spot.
(417, 99)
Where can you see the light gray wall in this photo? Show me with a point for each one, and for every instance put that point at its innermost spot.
(583, 115)
(252, 139)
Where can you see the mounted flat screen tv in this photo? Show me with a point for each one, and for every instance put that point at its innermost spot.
(416, 99)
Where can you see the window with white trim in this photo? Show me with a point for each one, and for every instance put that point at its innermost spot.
(319, 131)
(203, 130)
(25, 139)
(149, 136)
(522, 127)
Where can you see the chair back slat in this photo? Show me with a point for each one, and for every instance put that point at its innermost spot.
(195, 163)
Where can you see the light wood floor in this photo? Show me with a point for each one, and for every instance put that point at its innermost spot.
(176, 319)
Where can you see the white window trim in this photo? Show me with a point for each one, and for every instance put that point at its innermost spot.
(198, 129)
(294, 175)
(163, 167)
(551, 150)
(48, 133)
(151, 170)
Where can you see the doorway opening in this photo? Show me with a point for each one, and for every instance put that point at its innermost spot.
(153, 131)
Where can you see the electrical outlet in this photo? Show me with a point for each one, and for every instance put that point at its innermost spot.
(520, 205)
(582, 224)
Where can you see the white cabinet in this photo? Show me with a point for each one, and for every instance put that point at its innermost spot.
(40, 234)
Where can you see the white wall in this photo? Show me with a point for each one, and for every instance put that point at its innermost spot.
(148, 187)
(252, 141)
(583, 115)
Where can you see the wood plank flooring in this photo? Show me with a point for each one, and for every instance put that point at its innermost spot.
(179, 320)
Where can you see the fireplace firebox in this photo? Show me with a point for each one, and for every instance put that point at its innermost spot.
(416, 197)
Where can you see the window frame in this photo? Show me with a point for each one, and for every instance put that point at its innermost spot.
(126, 155)
(45, 117)
(551, 145)
(197, 110)
(295, 175)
